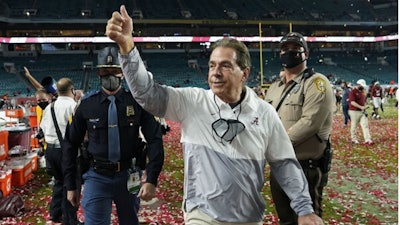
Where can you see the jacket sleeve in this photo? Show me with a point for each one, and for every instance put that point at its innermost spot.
(151, 96)
(151, 130)
(292, 180)
(74, 134)
(285, 167)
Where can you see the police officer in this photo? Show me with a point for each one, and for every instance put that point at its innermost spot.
(106, 181)
(305, 103)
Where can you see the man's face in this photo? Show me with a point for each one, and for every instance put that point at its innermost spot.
(291, 46)
(292, 55)
(225, 77)
(110, 78)
(42, 97)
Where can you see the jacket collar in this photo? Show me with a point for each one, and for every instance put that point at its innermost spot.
(296, 79)
(118, 95)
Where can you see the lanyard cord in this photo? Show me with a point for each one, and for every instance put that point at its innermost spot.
(219, 110)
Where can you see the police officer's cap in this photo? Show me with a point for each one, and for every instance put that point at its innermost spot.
(295, 38)
(108, 58)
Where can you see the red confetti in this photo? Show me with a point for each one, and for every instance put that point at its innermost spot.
(362, 186)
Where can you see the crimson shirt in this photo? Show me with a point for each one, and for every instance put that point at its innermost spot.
(376, 92)
(356, 96)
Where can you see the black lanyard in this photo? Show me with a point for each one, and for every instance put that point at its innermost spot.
(284, 97)
(307, 74)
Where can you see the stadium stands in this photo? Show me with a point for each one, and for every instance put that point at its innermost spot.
(334, 10)
(173, 69)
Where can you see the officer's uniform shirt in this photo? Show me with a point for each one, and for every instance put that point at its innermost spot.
(306, 112)
(63, 108)
(92, 116)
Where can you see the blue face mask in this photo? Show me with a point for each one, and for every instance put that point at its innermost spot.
(291, 58)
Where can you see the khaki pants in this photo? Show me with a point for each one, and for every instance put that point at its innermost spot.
(357, 117)
(197, 217)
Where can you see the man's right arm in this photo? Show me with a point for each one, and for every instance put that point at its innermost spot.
(150, 96)
(32, 80)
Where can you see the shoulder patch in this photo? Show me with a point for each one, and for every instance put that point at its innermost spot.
(320, 84)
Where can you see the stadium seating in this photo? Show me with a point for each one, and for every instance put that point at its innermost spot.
(350, 10)
(173, 69)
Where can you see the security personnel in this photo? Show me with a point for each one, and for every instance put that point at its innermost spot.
(106, 181)
(305, 103)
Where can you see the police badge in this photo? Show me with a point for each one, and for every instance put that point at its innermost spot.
(130, 111)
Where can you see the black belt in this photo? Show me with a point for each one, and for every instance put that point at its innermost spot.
(53, 146)
(108, 167)
(309, 163)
